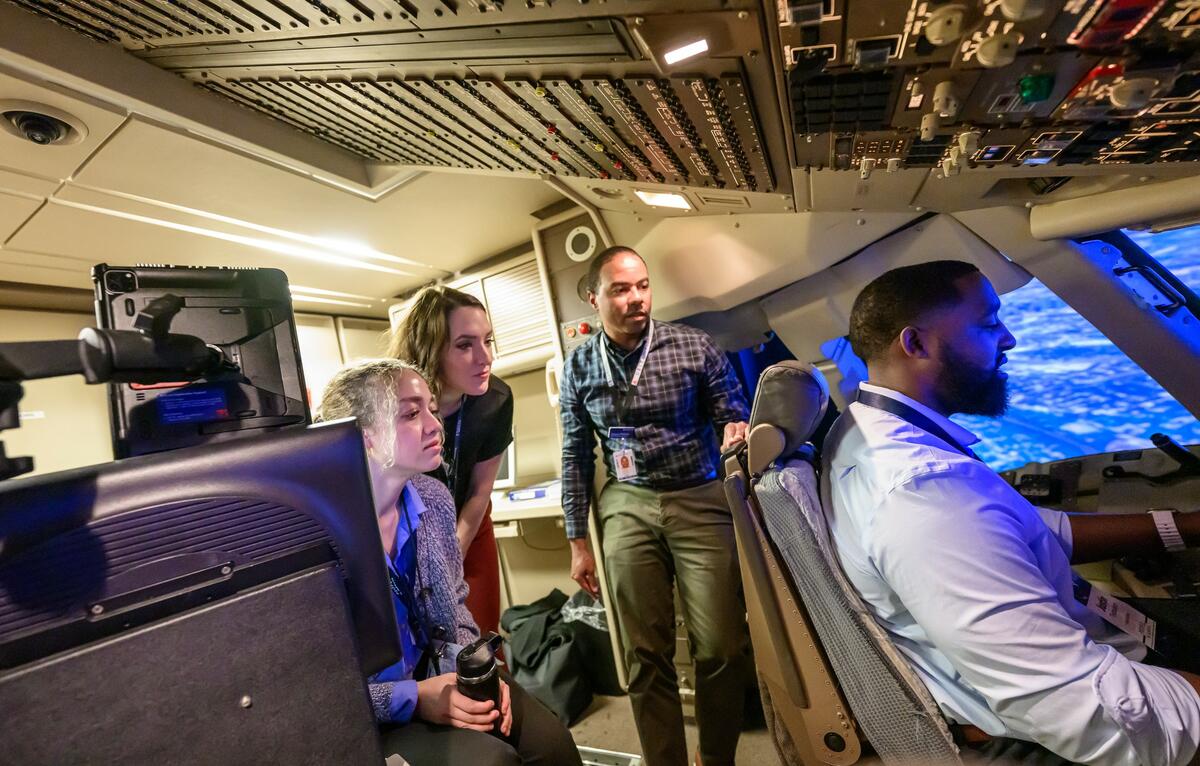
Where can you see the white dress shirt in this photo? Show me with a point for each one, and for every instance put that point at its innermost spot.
(973, 584)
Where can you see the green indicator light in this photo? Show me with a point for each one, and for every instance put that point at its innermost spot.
(1035, 87)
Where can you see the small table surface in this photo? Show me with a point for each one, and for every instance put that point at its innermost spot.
(505, 510)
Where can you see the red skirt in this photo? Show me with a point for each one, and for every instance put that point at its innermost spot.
(481, 570)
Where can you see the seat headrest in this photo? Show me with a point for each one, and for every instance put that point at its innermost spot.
(789, 404)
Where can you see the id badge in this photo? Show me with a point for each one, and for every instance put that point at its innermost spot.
(624, 462)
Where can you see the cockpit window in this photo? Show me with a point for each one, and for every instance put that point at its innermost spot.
(1178, 251)
(1072, 391)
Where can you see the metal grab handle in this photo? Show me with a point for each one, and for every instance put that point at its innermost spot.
(1158, 283)
(553, 371)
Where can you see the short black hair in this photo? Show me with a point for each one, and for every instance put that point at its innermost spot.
(898, 298)
(592, 283)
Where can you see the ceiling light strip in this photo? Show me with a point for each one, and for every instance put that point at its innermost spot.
(360, 250)
(312, 299)
(685, 52)
(281, 248)
(331, 293)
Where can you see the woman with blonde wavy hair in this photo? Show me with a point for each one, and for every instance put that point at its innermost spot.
(447, 332)
(426, 719)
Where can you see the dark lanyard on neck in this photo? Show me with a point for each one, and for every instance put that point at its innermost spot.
(428, 664)
(912, 417)
(452, 468)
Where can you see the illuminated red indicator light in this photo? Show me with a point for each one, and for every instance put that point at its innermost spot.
(1110, 23)
(584, 328)
(156, 386)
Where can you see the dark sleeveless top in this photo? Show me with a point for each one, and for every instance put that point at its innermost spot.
(486, 433)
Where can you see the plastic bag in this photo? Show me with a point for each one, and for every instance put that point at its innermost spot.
(589, 625)
(583, 608)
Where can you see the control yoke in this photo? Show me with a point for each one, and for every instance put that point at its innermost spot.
(149, 354)
(1189, 464)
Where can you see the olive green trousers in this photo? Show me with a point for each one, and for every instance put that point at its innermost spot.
(652, 541)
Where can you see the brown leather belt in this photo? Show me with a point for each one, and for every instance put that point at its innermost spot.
(968, 735)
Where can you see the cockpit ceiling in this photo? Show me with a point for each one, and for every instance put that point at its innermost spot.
(584, 89)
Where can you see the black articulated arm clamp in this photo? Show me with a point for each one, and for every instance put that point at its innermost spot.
(150, 354)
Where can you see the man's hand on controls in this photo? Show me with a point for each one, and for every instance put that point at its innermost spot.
(439, 701)
(583, 567)
(735, 433)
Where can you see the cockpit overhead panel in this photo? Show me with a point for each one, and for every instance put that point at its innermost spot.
(729, 95)
(998, 83)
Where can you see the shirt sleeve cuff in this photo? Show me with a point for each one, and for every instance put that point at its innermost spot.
(394, 702)
(1060, 525)
(1158, 711)
(576, 529)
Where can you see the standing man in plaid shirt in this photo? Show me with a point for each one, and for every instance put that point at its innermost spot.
(657, 394)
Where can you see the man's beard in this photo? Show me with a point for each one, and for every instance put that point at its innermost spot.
(971, 390)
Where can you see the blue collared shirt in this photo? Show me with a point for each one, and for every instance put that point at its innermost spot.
(973, 584)
(403, 702)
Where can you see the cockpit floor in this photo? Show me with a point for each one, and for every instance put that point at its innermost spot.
(608, 725)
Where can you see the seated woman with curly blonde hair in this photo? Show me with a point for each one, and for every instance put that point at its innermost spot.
(428, 720)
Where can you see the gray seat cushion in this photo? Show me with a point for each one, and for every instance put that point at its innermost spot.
(894, 709)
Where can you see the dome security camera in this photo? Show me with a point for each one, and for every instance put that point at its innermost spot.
(40, 124)
(41, 129)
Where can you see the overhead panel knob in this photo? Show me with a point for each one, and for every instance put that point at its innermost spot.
(1022, 10)
(998, 50)
(945, 25)
(969, 142)
(865, 167)
(929, 126)
(1133, 94)
(952, 164)
(945, 103)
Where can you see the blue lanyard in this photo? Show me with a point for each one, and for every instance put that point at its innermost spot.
(400, 578)
(912, 417)
(452, 468)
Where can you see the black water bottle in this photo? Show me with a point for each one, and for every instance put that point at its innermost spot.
(478, 672)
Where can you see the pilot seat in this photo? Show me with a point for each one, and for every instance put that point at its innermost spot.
(835, 689)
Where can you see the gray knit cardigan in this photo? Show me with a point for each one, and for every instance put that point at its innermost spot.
(441, 601)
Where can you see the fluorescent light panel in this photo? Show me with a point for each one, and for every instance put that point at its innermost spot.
(314, 299)
(685, 51)
(282, 248)
(337, 246)
(663, 199)
(329, 293)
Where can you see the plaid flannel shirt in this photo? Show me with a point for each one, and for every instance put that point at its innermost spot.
(687, 388)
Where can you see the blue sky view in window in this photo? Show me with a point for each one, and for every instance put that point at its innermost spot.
(1072, 391)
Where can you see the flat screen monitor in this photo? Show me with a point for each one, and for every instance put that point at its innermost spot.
(247, 313)
(506, 476)
(93, 552)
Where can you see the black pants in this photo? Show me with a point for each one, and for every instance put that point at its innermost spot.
(1011, 752)
(537, 738)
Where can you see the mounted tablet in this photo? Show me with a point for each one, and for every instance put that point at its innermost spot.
(247, 314)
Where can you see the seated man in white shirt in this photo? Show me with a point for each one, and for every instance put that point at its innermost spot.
(970, 580)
